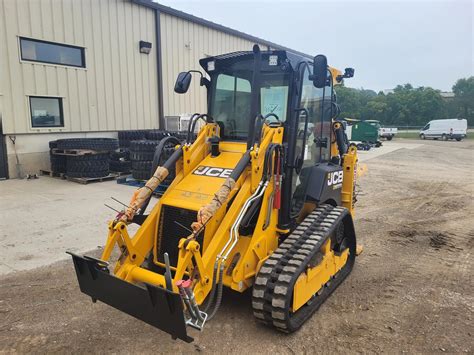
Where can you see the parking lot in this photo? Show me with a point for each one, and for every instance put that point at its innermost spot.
(411, 289)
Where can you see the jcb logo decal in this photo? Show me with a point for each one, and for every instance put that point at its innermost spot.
(212, 171)
(335, 179)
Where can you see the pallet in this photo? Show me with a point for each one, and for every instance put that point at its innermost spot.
(119, 173)
(86, 180)
(75, 152)
(53, 174)
(130, 181)
(80, 180)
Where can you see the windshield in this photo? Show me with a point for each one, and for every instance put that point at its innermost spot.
(232, 94)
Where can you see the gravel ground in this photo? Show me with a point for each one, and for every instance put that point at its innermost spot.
(411, 289)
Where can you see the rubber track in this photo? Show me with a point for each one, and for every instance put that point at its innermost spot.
(120, 166)
(273, 288)
(99, 144)
(143, 146)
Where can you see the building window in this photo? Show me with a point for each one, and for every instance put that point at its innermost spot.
(46, 112)
(52, 53)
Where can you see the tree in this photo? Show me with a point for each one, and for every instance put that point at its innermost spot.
(464, 98)
(405, 106)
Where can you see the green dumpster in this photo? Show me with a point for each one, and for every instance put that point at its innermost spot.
(364, 132)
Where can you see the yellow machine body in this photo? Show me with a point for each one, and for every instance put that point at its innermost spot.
(241, 257)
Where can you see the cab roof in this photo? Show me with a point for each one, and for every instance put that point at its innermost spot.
(231, 58)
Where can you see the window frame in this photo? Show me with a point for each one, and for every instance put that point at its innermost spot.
(26, 60)
(61, 111)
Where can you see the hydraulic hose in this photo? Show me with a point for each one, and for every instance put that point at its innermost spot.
(192, 124)
(142, 194)
(213, 290)
(156, 162)
(219, 292)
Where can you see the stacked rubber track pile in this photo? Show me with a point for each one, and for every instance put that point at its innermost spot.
(135, 155)
(126, 137)
(272, 294)
(133, 152)
(142, 154)
(83, 157)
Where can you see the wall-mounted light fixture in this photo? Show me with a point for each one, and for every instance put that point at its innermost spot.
(145, 47)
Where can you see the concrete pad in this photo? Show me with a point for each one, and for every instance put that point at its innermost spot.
(387, 147)
(41, 219)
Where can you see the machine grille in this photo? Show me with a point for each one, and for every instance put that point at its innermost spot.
(171, 232)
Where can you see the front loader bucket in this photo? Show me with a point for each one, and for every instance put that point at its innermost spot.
(154, 305)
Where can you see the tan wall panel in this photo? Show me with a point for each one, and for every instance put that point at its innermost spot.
(117, 89)
(183, 43)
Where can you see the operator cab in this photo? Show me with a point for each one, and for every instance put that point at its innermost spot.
(230, 100)
(282, 88)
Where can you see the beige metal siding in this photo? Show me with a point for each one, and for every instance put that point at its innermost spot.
(117, 89)
(183, 43)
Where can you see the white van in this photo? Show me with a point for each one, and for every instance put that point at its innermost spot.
(455, 128)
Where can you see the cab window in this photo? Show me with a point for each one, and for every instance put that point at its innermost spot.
(274, 96)
(231, 106)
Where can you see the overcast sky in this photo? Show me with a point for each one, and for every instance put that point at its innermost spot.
(425, 43)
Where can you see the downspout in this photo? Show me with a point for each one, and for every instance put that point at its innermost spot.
(159, 72)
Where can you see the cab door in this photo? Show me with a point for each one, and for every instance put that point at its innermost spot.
(313, 138)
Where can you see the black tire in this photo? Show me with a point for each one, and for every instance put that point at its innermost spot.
(143, 146)
(120, 166)
(444, 137)
(422, 136)
(459, 139)
(58, 163)
(141, 156)
(389, 138)
(98, 144)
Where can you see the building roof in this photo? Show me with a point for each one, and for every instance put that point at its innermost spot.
(200, 21)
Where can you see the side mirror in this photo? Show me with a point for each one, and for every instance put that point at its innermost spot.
(348, 73)
(182, 82)
(320, 71)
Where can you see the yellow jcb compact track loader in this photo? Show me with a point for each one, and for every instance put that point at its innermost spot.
(263, 198)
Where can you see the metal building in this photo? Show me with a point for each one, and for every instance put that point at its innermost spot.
(85, 68)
